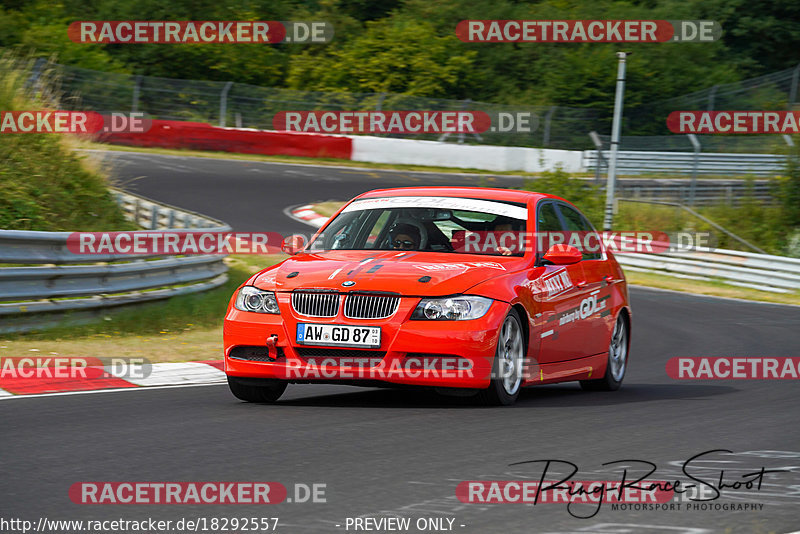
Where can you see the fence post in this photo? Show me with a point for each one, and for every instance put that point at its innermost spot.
(793, 88)
(381, 98)
(547, 117)
(599, 162)
(137, 86)
(695, 164)
(36, 73)
(223, 103)
(711, 96)
(466, 104)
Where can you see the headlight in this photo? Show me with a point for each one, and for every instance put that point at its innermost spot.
(459, 308)
(256, 300)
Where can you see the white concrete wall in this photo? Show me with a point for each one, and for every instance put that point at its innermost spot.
(490, 158)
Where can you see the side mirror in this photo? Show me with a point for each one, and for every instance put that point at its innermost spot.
(293, 244)
(563, 255)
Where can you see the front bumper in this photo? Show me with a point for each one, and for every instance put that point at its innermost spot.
(456, 354)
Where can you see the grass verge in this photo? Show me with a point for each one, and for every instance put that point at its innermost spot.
(44, 184)
(711, 288)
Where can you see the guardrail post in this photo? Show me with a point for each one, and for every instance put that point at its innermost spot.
(154, 217)
(171, 220)
(695, 164)
(547, 118)
(137, 86)
(223, 103)
(137, 205)
(711, 97)
(793, 88)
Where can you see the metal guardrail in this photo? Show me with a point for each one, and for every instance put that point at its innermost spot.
(648, 162)
(765, 272)
(56, 283)
(704, 192)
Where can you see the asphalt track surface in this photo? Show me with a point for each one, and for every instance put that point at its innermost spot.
(391, 452)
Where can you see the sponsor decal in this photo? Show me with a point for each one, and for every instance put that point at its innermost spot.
(465, 266)
(588, 307)
(554, 283)
(466, 204)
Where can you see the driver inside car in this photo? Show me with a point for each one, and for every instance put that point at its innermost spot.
(404, 237)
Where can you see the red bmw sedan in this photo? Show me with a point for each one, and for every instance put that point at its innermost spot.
(462, 289)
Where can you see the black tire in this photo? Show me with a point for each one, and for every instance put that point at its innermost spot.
(256, 389)
(612, 379)
(501, 390)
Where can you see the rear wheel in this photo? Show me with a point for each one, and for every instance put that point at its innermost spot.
(256, 390)
(617, 360)
(506, 379)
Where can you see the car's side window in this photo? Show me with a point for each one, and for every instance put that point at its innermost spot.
(546, 221)
(587, 237)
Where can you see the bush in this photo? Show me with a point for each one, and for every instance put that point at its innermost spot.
(44, 184)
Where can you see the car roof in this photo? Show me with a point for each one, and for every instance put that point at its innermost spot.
(488, 193)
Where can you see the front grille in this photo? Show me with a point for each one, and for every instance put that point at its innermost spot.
(315, 303)
(358, 306)
(336, 354)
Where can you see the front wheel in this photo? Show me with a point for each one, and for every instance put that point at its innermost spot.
(256, 390)
(507, 367)
(617, 360)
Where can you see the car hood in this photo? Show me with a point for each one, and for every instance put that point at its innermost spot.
(407, 273)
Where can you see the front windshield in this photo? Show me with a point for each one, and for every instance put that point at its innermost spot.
(434, 224)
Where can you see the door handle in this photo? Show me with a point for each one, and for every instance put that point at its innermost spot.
(581, 284)
(608, 278)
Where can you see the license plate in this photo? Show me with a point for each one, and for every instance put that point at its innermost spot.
(339, 335)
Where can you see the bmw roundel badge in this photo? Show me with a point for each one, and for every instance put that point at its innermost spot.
(348, 283)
